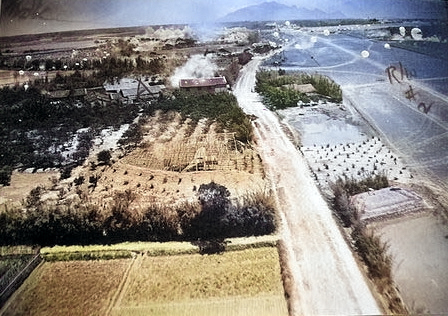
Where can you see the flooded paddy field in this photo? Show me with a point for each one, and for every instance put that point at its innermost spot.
(403, 113)
(419, 247)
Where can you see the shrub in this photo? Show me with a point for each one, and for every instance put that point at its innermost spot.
(79, 180)
(132, 136)
(219, 218)
(370, 248)
(215, 204)
(343, 188)
(341, 205)
(66, 172)
(374, 253)
(93, 255)
(104, 157)
(5, 175)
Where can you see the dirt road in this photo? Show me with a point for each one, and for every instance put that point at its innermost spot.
(325, 274)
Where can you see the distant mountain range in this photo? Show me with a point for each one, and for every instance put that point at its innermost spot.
(272, 11)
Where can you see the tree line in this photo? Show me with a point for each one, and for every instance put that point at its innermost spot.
(212, 217)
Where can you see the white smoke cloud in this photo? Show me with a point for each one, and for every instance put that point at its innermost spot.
(198, 66)
(169, 33)
(204, 32)
(305, 43)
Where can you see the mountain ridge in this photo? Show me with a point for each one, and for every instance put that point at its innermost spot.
(382, 9)
(272, 11)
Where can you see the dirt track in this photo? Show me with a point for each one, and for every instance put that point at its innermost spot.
(326, 277)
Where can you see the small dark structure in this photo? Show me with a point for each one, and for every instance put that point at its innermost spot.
(210, 85)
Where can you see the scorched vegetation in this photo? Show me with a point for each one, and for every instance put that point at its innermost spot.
(35, 131)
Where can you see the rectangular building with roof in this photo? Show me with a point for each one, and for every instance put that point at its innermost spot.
(210, 85)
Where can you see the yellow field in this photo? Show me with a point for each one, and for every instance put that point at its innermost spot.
(245, 282)
(68, 288)
(260, 305)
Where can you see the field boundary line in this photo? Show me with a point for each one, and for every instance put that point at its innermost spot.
(18, 291)
(118, 294)
(155, 249)
(19, 278)
(137, 262)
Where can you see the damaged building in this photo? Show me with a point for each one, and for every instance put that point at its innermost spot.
(210, 85)
(129, 90)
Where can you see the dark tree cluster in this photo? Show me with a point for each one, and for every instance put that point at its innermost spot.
(220, 218)
(34, 130)
(221, 107)
(104, 69)
(275, 88)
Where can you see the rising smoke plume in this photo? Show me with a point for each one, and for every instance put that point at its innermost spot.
(198, 66)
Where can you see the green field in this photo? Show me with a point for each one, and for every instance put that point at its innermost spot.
(243, 282)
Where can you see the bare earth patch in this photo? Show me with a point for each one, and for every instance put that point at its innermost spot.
(21, 185)
(175, 157)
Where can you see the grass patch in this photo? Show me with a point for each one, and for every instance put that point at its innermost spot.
(239, 306)
(88, 255)
(17, 250)
(121, 250)
(127, 249)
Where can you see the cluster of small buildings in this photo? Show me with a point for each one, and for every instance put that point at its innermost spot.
(125, 90)
(131, 90)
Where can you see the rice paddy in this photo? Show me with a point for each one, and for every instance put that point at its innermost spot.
(243, 282)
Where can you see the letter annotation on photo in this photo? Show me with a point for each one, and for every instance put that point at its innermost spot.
(399, 74)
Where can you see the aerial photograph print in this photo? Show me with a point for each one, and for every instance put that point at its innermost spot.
(225, 158)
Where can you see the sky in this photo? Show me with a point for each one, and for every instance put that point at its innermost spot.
(25, 16)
